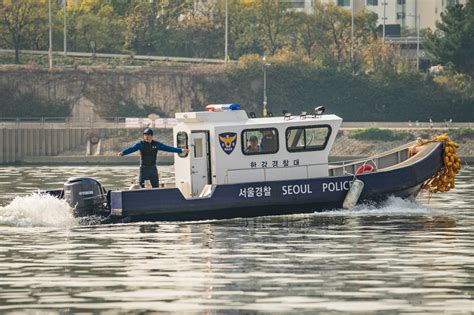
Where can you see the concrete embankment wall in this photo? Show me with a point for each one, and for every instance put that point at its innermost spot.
(16, 144)
(94, 93)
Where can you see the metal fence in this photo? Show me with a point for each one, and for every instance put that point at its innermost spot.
(121, 56)
(69, 123)
(143, 122)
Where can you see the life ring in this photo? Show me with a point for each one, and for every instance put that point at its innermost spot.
(366, 168)
(94, 139)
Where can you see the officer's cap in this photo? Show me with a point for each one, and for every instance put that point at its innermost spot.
(148, 131)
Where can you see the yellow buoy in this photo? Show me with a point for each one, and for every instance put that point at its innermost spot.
(444, 179)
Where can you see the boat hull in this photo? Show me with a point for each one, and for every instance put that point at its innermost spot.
(273, 198)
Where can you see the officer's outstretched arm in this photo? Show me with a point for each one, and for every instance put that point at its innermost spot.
(137, 146)
(167, 148)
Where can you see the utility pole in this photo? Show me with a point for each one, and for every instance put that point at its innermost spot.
(352, 32)
(265, 107)
(418, 42)
(384, 18)
(226, 54)
(50, 52)
(65, 26)
(417, 25)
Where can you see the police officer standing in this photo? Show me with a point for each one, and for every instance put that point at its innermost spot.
(148, 150)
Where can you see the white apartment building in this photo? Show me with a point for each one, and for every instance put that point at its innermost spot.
(401, 12)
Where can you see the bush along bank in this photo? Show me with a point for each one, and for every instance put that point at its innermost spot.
(13, 104)
(299, 86)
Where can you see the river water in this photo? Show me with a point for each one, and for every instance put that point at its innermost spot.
(399, 257)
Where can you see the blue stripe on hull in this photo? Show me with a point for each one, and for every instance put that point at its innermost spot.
(277, 197)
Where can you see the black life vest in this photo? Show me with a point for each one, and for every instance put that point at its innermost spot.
(148, 153)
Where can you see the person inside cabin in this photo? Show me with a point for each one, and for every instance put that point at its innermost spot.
(269, 141)
(148, 150)
(253, 147)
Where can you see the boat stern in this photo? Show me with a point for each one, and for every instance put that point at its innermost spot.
(116, 208)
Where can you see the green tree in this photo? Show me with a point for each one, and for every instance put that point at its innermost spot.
(337, 23)
(197, 36)
(245, 36)
(17, 18)
(121, 7)
(141, 26)
(151, 27)
(256, 27)
(273, 19)
(93, 25)
(310, 33)
(453, 41)
(36, 36)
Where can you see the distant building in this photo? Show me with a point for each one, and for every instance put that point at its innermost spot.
(400, 12)
(397, 12)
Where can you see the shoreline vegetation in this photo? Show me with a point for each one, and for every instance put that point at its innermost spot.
(405, 96)
(311, 59)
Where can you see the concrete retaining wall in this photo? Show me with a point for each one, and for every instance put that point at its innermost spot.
(16, 144)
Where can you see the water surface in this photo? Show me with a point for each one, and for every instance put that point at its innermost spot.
(400, 257)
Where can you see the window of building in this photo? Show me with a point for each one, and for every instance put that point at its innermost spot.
(373, 2)
(260, 141)
(296, 4)
(344, 3)
(401, 2)
(307, 138)
(400, 15)
(182, 142)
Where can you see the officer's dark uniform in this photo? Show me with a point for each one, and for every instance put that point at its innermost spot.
(269, 143)
(148, 152)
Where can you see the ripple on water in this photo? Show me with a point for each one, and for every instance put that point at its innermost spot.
(398, 257)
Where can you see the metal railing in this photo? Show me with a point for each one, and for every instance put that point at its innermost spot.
(408, 125)
(139, 122)
(67, 122)
(121, 56)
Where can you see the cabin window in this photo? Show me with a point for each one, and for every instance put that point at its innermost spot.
(307, 138)
(259, 141)
(198, 148)
(182, 142)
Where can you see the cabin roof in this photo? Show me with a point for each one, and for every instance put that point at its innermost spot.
(239, 118)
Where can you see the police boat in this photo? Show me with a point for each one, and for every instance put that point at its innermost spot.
(241, 166)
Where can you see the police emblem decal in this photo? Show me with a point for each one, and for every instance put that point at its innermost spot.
(228, 140)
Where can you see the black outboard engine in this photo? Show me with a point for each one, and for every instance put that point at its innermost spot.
(86, 196)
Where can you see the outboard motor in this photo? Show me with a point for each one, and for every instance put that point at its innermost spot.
(86, 196)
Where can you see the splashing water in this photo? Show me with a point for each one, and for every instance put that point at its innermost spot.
(392, 206)
(37, 210)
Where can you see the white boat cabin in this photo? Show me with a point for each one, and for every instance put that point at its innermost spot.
(228, 147)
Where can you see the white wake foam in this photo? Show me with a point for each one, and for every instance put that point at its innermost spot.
(37, 210)
(392, 206)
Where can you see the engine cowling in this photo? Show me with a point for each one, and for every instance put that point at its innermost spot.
(86, 196)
